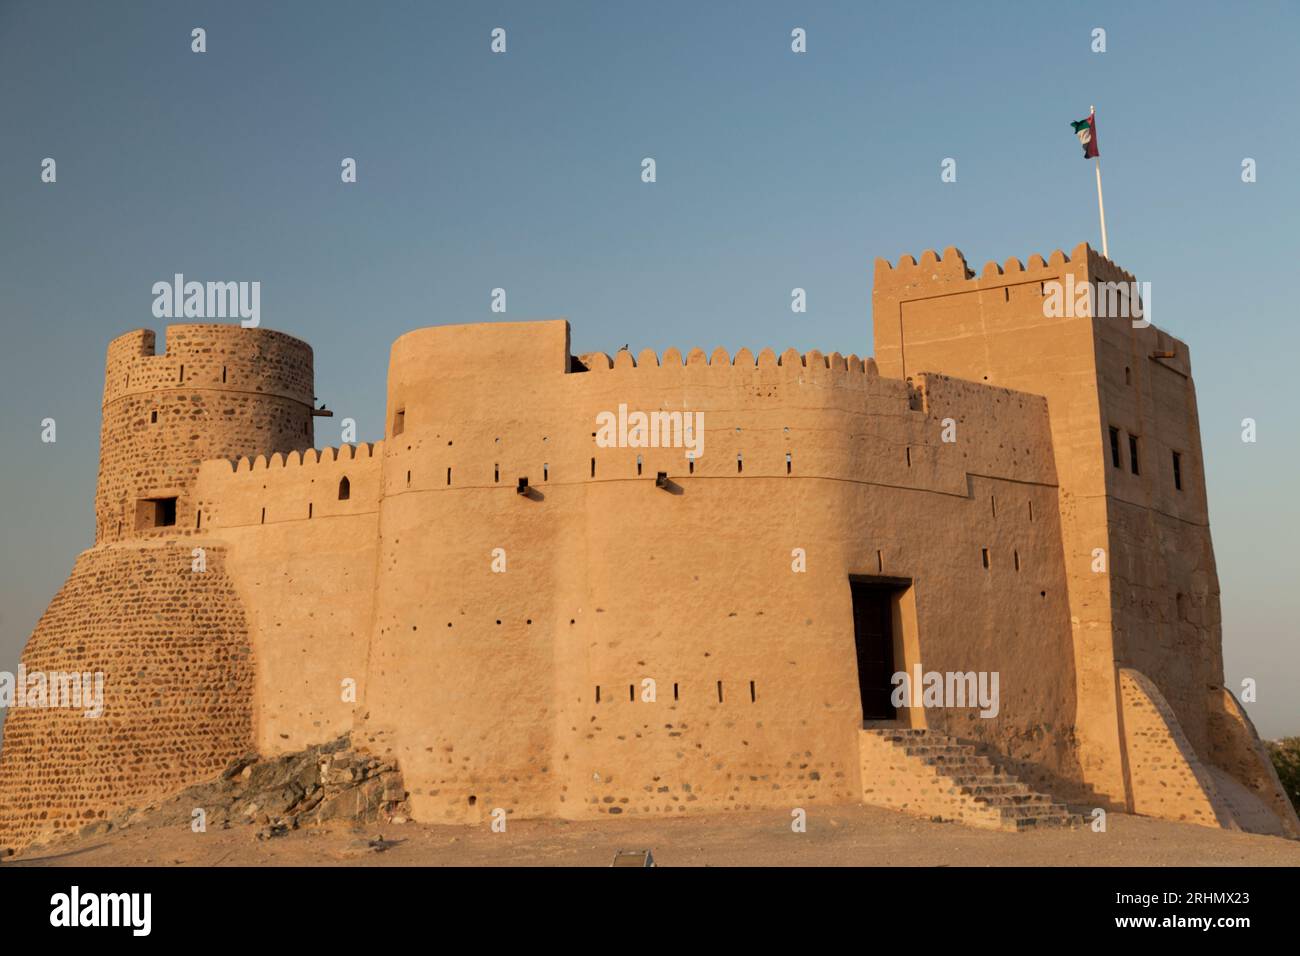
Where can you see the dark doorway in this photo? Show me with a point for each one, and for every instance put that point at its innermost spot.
(873, 633)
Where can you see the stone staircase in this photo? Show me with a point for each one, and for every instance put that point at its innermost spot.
(940, 777)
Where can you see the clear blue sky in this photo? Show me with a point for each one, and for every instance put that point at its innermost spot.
(522, 171)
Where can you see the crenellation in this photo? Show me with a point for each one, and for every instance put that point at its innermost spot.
(744, 359)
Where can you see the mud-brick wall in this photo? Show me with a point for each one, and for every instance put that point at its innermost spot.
(178, 677)
(524, 688)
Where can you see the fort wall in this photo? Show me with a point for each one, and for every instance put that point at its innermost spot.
(302, 533)
(612, 581)
(1165, 588)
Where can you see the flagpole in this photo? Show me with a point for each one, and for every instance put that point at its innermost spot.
(1101, 206)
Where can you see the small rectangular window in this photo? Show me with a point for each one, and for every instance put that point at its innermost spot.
(984, 556)
(1178, 471)
(399, 421)
(155, 513)
(1114, 448)
(1133, 454)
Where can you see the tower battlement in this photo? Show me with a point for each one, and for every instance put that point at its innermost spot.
(951, 266)
(223, 357)
(217, 391)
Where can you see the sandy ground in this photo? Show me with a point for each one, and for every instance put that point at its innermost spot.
(836, 836)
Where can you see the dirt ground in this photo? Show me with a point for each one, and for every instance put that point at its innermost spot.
(836, 836)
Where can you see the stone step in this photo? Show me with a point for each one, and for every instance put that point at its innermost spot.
(930, 747)
(1050, 811)
(947, 756)
(977, 781)
(954, 760)
(972, 763)
(996, 790)
(1041, 812)
(1021, 801)
(987, 774)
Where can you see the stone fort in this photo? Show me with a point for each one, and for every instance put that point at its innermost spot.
(527, 619)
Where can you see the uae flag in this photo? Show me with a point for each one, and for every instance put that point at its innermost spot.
(1086, 130)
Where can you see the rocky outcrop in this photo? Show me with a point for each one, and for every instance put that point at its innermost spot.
(313, 786)
(322, 784)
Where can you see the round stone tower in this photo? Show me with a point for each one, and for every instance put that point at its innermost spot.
(218, 391)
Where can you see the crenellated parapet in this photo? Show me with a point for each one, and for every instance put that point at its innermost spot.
(790, 359)
(295, 486)
(305, 458)
(221, 357)
(949, 268)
